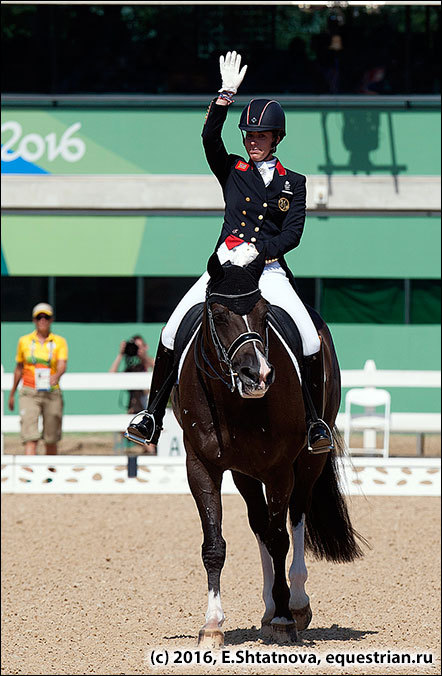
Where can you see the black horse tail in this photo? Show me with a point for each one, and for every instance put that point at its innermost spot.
(329, 533)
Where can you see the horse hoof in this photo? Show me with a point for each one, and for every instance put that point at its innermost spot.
(283, 631)
(303, 616)
(266, 630)
(210, 639)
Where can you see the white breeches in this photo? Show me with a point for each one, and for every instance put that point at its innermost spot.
(196, 294)
(275, 288)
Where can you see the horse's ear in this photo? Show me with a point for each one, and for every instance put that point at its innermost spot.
(257, 265)
(214, 268)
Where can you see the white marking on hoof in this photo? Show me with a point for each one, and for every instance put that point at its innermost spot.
(268, 577)
(283, 630)
(298, 570)
(281, 621)
(210, 639)
(214, 614)
(303, 616)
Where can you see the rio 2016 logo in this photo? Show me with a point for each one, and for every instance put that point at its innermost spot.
(32, 147)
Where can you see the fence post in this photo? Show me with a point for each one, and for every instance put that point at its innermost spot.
(420, 444)
(369, 436)
(132, 466)
(2, 404)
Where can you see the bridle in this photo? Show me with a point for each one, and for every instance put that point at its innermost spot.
(226, 356)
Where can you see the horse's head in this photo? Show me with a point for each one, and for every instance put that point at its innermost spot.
(236, 319)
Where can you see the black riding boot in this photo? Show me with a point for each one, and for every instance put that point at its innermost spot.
(319, 436)
(149, 428)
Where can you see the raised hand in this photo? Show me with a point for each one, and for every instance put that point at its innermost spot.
(231, 75)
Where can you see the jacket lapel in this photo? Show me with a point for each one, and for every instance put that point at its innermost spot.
(278, 180)
(258, 183)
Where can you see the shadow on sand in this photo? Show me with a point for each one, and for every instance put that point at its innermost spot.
(308, 637)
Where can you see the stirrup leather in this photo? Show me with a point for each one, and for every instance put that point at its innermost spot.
(327, 447)
(140, 440)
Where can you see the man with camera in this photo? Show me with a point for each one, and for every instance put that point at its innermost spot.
(136, 357)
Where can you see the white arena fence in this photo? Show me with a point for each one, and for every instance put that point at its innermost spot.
(165, 473)
(369, 376)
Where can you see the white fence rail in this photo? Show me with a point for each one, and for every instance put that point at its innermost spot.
(417, 423)
(118, 474)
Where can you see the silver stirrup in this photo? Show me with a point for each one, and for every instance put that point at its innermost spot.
(139, 440)
(326, 449)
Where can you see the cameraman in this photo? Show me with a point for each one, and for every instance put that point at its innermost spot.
(135, 353)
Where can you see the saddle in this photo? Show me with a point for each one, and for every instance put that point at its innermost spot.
(190, 323)
(277, 319)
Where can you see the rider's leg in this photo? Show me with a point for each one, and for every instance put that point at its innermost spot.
(150, 426)
(320, 439)
(277, 290)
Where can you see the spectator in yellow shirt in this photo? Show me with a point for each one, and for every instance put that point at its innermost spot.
(41, 360)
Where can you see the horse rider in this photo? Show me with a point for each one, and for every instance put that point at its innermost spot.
(264, 212)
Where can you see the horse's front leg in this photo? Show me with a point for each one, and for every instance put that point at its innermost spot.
(277, 542)
(206, 490)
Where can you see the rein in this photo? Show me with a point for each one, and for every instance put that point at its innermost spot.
(226, 356)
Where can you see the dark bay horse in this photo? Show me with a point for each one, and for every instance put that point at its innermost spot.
(240, 404)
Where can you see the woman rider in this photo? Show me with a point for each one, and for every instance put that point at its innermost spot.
(265, 211)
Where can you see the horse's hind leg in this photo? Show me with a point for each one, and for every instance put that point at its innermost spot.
(299, 600)
(278, 492)
(271, 533)
(206, 490)
(306, 474)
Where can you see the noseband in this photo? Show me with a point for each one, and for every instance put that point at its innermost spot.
(226, 356)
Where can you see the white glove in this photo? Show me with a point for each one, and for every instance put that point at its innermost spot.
(241, 255)
(231, 76)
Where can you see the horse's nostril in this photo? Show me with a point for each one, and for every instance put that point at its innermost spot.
(249, 374)
(270, 376)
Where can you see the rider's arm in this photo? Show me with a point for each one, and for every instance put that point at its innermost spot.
(217, 156)
(292, 226)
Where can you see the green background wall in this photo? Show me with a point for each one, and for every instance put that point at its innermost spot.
(334, 246)
(326, 139)
(167, 140)
(93, 347)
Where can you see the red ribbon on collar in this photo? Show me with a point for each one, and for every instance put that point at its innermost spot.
(280, 169)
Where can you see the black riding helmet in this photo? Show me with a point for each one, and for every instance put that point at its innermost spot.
(263, 115)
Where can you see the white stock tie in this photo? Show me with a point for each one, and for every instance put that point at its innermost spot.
(266, 172)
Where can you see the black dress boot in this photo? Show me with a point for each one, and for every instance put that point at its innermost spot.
(319, 436)
(149, 428)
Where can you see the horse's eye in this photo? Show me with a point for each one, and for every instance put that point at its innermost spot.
(220, 318)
